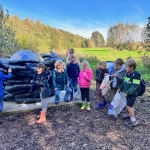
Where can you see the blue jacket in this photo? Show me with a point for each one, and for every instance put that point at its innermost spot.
(60, 80)
(3, 77)
(73, 70)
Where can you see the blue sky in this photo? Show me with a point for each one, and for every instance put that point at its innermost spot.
(81, 16)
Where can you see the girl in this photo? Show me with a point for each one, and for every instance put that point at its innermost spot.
(100, 73)
(85, 77)
(60, 81)
(71, 52)
(40, 82)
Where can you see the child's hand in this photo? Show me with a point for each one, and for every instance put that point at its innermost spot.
(125, 95)
(115, 75)
(55, 89)
(10, 70)
(67, 85)
(31, 81)
(119, 90)
(105, 74)
(84, 73)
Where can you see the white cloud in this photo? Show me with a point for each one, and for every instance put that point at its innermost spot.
(78, 27)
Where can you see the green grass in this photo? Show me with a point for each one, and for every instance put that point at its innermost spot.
(94, 55)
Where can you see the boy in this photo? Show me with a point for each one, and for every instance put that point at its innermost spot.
(3, 77)
(118, 74)
(73, 74)
(130, 87)
(40, 83)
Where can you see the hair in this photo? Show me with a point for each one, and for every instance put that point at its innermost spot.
(58, 62)
(102, 63)
(131, 63)
(85, 62)
(119, 61)
(41, 65)
(128, 58)
(71, 49)
(72, 56)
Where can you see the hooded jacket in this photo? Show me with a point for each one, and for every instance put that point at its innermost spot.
(85, 80)
(131, 83)
(121, 76)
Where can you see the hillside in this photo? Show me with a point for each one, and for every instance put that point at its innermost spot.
(37, 36)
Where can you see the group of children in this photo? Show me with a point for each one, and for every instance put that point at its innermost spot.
(124, 78)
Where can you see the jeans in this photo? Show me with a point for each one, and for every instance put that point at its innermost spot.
(66, 97)
(1, 104)
(85, 94)
(73, 85)
(43, 103)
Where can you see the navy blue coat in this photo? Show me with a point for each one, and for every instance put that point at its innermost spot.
(40, 82)
(73, 70)
(3, 77)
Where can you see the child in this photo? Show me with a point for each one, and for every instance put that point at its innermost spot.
(40, 82)
(118, 75)
(71, 52)
(60, 81)
(129, 87)
(85, 77)
(3, 77)
(100, 73)
(73, 74)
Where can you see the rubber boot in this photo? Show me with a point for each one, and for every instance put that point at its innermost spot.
(83, 106)
(88, 107)
(42, 117)
(38, 116)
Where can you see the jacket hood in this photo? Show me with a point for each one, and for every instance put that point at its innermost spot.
(136, 73)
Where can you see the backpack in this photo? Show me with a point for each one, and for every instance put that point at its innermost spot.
(142, 87)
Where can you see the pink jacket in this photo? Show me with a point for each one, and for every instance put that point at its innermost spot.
(85, 80)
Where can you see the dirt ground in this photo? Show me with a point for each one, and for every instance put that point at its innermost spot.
(68, 128)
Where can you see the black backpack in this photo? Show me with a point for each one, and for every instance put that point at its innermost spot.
(142, 87)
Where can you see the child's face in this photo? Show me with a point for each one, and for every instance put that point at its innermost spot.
(129, 69)
(39, 70)
(72, 59)
(85, 67)
(71, 51)
(101, 66)
(60, 66)
(117, 66)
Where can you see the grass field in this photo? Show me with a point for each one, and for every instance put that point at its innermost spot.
(94, 55)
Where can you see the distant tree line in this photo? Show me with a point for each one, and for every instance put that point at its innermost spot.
(125, 36)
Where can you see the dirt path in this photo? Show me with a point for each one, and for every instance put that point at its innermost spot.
(69, 129)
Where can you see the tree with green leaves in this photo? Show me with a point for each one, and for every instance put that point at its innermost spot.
(8, 44)
(97, 39)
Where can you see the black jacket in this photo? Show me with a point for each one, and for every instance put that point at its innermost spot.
(40, 82)
(100, 75)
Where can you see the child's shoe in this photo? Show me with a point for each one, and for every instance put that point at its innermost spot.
(132, 123)
(105, 103)
(83, 106)
(100, 105)
(88, 107)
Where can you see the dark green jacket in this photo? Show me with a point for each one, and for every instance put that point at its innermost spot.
(131, 83)
(60, 80)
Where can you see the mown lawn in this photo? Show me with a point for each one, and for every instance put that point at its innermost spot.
(94, 55)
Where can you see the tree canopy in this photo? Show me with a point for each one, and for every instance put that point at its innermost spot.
(97, 39)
